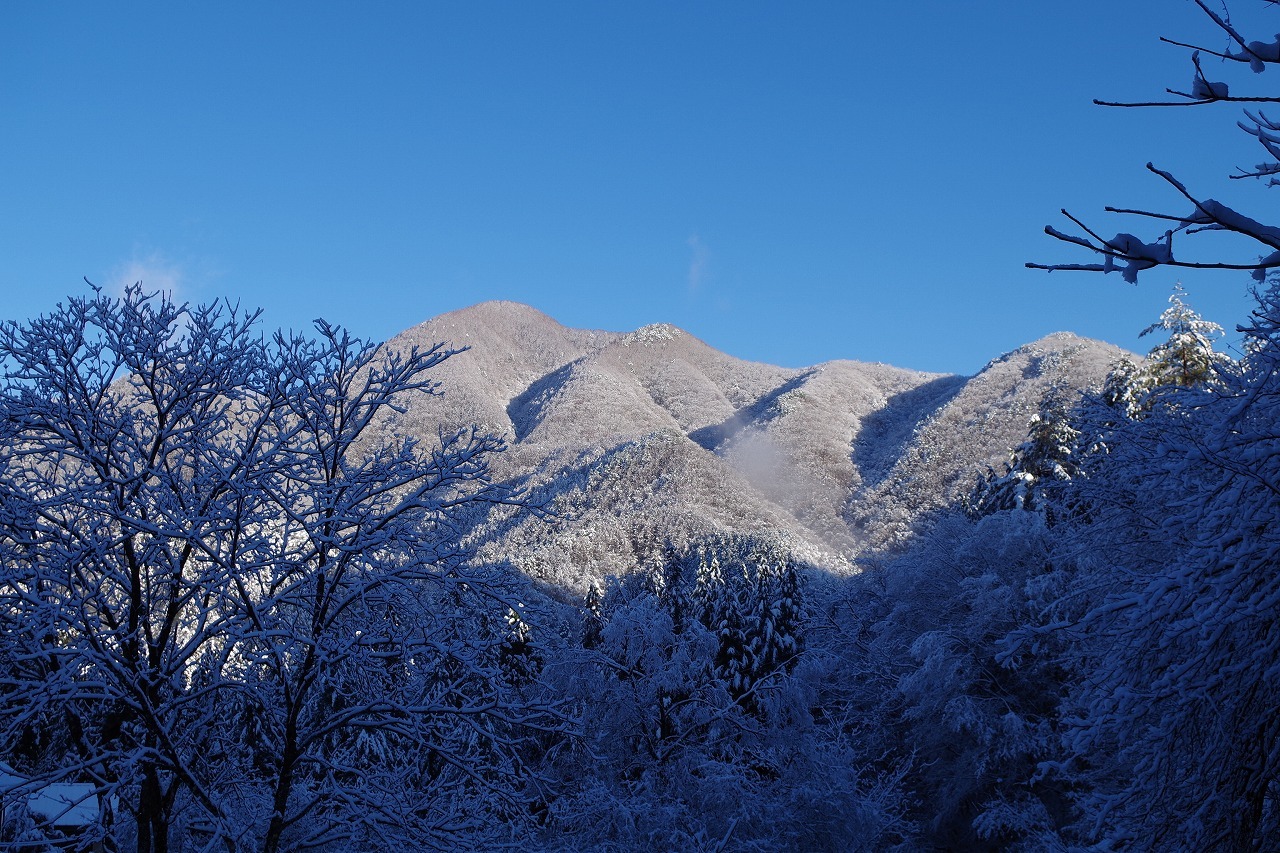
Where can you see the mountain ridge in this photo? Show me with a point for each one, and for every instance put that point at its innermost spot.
(629, 437)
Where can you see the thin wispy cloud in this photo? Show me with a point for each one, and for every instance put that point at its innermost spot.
(699, 262)
(154, 271)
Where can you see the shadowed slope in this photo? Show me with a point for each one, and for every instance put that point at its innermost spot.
(974, 429)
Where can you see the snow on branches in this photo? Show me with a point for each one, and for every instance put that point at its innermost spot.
(231, 605)
(1129, 254)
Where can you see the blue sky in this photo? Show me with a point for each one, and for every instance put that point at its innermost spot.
(791, 182)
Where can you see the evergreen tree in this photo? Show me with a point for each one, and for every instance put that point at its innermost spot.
(1048, 456)
(592, 617)
(706, 737)
(749, 595)
(1063, 432)
(1187, 358)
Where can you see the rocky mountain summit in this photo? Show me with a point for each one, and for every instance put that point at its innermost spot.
(630, 439)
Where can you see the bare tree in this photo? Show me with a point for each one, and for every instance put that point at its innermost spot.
(228, 599)
(127, 443)
(379, 639)
(1130, 254)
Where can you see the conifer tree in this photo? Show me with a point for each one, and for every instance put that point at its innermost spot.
(1187, 358)
(749, 596)
(1048, 456)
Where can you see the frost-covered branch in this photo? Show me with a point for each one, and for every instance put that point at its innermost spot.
(1130, 254)
(222, 584)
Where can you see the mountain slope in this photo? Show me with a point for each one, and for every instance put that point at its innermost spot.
(630, 439)
(976, 426)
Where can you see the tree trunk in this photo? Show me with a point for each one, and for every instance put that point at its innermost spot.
(284, 788)
(153, 828)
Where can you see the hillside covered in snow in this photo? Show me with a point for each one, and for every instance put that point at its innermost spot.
(631, 438)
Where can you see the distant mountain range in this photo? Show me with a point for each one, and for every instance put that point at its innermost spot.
(633, 438)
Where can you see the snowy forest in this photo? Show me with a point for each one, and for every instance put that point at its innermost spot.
(244, 607)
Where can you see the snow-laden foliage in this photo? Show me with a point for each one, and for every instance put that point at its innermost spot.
(972, 728)
(1047, 457)
(1053, 453)
(245, 624)
(748, 595)
(973, 431)
(1187, 358)
(1172, 610)
(700, 725)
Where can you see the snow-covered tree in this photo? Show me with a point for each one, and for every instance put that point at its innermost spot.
(128, 425)
(1065, 430)
(1048, 457)
(1187, 357)
(367, 574)
(971, 729)
(690, 740)
(1169, 605)
(1170, 608)
(200, 528)
(749, 596)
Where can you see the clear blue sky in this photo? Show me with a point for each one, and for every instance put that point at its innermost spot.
(791, 182)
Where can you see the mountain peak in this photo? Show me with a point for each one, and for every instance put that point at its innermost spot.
(652, 333)
(497, 311)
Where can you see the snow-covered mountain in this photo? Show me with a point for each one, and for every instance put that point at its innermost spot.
(633, 438)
